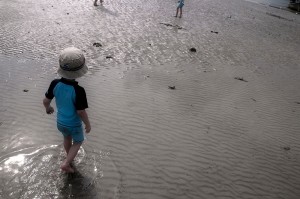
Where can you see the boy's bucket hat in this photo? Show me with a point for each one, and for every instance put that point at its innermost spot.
(72, 63)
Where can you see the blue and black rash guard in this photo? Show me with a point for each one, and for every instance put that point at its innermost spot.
(69, 98)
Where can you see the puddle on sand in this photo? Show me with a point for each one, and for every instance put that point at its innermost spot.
(34, 173)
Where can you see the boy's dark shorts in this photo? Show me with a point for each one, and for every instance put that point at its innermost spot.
(75, 132)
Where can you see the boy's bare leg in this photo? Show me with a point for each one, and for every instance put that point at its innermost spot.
(101, 1)
(70, 157)
(177, 12)
(180, 13)
(95, 3)
(67, 143)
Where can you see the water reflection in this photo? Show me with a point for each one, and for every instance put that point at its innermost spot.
(13, 163)
(35, 173)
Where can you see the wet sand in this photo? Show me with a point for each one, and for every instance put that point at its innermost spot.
(229, 128)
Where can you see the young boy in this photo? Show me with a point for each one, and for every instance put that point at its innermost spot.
(179, 7)
(71, 103)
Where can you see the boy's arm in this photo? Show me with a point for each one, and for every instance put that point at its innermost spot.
(46, 103)
(84, 117)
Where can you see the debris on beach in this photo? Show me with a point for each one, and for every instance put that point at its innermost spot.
(68, 13)
(241, 79)
(214, 32)
(287, 148)
(193, 49)
(96, 44)
(208, 128)
(171, 25)
(109, 57)
(253, 99)
(167, 24)
(25, 90)
(172, 87)
(279, 17)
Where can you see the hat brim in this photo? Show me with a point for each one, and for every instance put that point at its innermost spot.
(73, 74)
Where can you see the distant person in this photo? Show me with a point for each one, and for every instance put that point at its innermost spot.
(95, 3)
(71, 103)
(179, 8)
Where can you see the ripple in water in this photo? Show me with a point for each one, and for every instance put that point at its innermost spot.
(35, 173)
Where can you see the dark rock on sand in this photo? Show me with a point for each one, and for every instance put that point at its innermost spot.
(214, 32)
(172, 87)
(286, 148)
(109, 57)
(96, 44)
(193, 50)
(175, 26)
(241, 79)
(25, 90)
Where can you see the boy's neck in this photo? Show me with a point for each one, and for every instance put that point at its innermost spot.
(70, 80)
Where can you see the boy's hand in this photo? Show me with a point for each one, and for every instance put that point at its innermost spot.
(87, 128)
(49, 110)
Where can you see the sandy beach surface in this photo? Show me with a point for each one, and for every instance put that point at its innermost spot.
(229, 128)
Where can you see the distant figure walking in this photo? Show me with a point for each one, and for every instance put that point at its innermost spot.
(71, 103)
(179, 8)
(95, 3)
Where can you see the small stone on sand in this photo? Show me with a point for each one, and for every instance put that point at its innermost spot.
(193, 49)
(97, 44)
(287, 148)
(241, 79)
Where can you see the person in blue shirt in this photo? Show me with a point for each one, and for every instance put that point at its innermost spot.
(179, 8)
(71, 103)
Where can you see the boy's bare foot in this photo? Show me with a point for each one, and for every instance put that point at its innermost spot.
(67, 168)
(95, 4)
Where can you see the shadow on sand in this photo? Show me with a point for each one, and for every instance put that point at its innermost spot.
(108, 11)
(77, 185)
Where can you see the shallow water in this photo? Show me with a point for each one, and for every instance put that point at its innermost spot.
(277, 3)
(213, 136)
